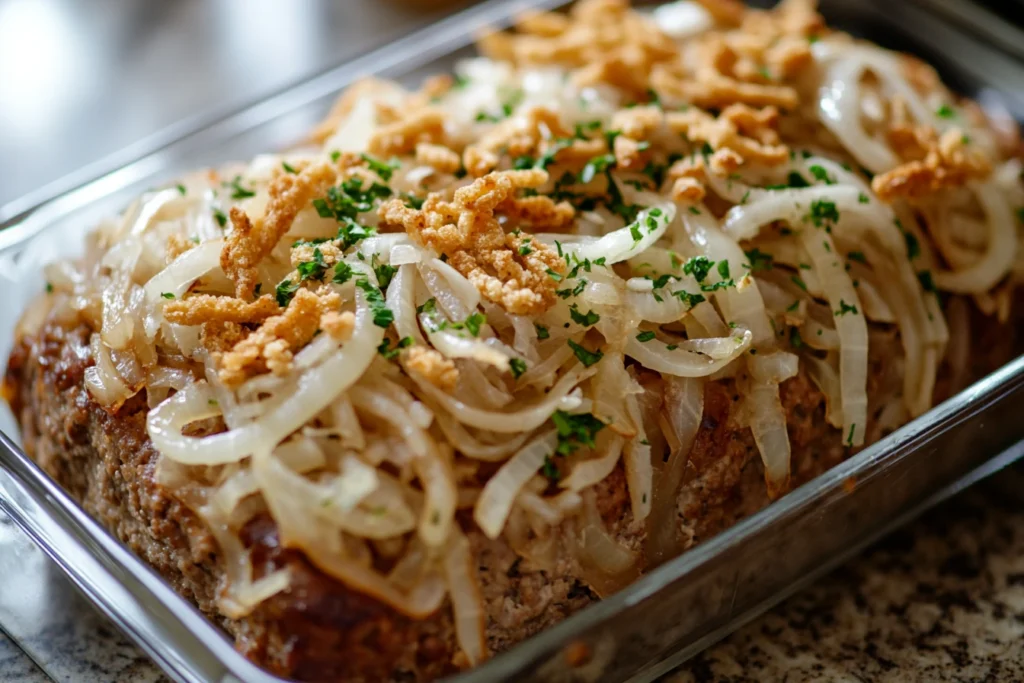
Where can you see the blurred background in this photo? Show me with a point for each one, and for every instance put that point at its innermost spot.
(83, 79)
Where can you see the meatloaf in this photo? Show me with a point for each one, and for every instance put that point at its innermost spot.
(319, 630)
(481, 354)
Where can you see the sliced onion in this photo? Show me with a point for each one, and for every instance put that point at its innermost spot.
(689, 360)
(524, 419)
(467, 599)
(627, 242)
(495, 502)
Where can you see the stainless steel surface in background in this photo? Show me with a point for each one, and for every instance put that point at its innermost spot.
(81, 80)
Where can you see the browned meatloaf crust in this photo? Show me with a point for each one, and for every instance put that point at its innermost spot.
(319, 630)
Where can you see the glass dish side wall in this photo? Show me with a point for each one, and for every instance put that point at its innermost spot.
(664, 617)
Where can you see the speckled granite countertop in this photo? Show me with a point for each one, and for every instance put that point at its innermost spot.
(942, 600)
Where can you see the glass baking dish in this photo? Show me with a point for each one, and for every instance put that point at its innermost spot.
(669, 614)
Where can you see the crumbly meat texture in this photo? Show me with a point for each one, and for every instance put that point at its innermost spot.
(320, 630)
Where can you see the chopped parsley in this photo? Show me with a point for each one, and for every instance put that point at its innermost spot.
(586, 320)
(723, 269)
(823, 211)
(554, 275)
(288, 168)
(473, 323)
(913, 246)
(390, 353)
(220, 217)
(181, 189)
(383, 271)
(849, 437)
(645, 336)
(698, 267)
(346, 201)
(926, 280)
(166, 295)
(382, 168)
(845, 308)
(575, 291)
(821, 175)
(759, 260)
(542, 332)
(335, 155)
(342, 273)
(694, 210)
(857, 256)
(382, 315)
(524, 247)
(795, 340)
(584, 355)
(945, 112)
(517, 366)
(550, 470)
(239, 192)
(575, 431)
(798, 281)
(412, 201)
(688, 298)
(285, 292)
(315, 269)
(863, 198)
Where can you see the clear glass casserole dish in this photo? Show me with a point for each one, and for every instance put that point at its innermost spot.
(670, 613)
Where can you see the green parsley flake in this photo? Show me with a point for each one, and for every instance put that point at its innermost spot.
(584, 355)
(382, 315)
(845, 308)
(586, 320)
(288, 167)
(286, 292)
(913, 246)
(342, 273)
(182, 190)
(542, 332)
(389, 354)
(645, 336)
(315, 269)
(575, 431)
(384, 169)
(220, 217)
(166, 295)
(239, 192)
(759, 260)
(550, 470)
(857, 256)
(698, 267)
(945, 112)
(798, 281)
(517, 366)
(821, 175)
(823, 211)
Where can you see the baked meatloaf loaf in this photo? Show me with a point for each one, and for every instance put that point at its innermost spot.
(479, 354)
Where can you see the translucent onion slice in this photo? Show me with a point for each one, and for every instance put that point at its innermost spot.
(176, 279)
(524, 419)
(1000, 251)
(588, 472)
(688, 360)
(625, 243)
(495, 502)
(321, 542)
(852, 329)
(467, 599)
